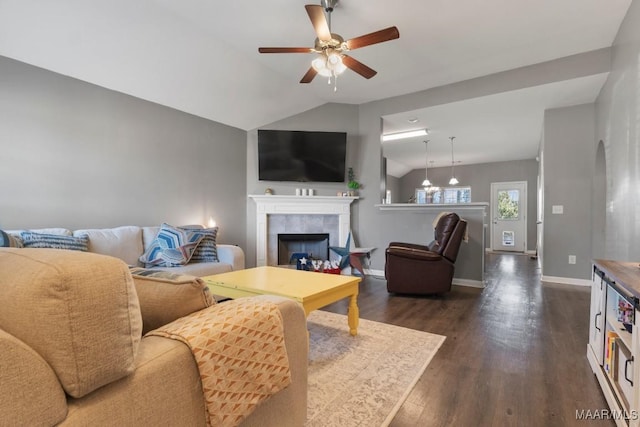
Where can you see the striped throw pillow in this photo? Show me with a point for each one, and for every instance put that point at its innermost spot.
(207, 250)
(172, 247)
(55, 241)
(9, 241)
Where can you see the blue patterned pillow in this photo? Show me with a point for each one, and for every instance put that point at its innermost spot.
(171, 247)
(55, 241)
(9, 241)
(207, 250)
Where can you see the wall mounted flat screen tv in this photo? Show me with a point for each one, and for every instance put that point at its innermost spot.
(302, 156)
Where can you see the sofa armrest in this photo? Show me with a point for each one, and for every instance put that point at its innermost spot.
(31, 393)
(167, 371)
(231, 254)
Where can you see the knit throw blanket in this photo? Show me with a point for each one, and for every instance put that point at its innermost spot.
(239, 348)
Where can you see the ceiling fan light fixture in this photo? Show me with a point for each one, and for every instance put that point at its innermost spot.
(332, 46)
(333, 59)
(454, 181)
(329, 64)
(320, 65)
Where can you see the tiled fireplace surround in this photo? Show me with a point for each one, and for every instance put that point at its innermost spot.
(299, 214)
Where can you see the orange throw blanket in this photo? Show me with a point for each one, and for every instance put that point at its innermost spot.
(239, 348)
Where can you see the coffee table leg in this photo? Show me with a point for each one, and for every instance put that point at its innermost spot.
(353, 314)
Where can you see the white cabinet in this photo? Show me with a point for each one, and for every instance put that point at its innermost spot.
(614, 339)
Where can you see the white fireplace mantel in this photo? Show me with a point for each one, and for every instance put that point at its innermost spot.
(299, 205)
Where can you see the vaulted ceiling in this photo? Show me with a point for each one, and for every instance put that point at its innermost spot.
(202, 57)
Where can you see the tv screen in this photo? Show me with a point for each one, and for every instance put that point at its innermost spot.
(286, 155)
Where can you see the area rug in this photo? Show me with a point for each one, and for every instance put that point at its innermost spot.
(362, 380)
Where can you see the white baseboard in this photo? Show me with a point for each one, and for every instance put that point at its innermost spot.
(566, 280)
(468, 282)
(372, 272)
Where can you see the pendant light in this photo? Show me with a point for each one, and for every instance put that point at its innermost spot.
(426, 183)
(453, 180)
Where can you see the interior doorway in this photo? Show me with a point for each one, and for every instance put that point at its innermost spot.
(509, 216)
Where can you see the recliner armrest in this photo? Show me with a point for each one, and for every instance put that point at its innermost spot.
(408, 245)
(417, 252)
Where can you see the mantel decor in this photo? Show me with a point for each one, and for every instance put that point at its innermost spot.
(352, 184)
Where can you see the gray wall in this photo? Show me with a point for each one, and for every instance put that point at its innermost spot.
(569, 160)
(372, 227)
(479, 177)
(618, 126)
(330, 118)
(77, 155)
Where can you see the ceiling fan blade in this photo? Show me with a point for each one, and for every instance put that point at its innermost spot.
(319, 21)
(285, 50)
(358, 67)
(311, 73)
(387, 34)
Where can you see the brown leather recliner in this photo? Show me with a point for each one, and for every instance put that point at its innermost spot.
(417, 269)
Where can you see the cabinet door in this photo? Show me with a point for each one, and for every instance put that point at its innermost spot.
(596, 325)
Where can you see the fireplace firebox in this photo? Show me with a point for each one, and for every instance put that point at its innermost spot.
(314, 244)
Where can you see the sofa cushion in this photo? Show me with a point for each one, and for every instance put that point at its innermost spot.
(199, 269)
(121, 242)
(31, 393)
(9, 240)
(78, 310)
(165, 297)
(172, 246)
(207, 250)
(54, 241)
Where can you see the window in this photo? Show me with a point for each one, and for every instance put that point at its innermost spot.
(508, 204)
(447, 195)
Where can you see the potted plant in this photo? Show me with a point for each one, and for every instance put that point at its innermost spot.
(352, 184)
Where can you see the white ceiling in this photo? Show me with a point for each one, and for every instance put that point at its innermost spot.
(202, 57)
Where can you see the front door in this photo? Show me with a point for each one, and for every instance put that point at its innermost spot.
(508, 213)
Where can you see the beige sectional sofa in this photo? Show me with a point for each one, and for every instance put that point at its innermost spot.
(73, 353)
(129, 242)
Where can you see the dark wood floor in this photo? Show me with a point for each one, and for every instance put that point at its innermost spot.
(515, 353)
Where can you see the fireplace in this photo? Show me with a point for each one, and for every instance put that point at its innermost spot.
(298, 214)
(316, 245)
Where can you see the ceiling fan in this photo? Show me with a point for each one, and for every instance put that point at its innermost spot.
(332, 48)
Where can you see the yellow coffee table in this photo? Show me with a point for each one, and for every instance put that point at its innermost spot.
(313, 290)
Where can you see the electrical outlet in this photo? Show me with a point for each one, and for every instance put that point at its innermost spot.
(572, 259)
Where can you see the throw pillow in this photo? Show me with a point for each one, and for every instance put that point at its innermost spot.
(171, 247)
(207, 250)
(54, 241)
(9, 241)
(165, 297)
